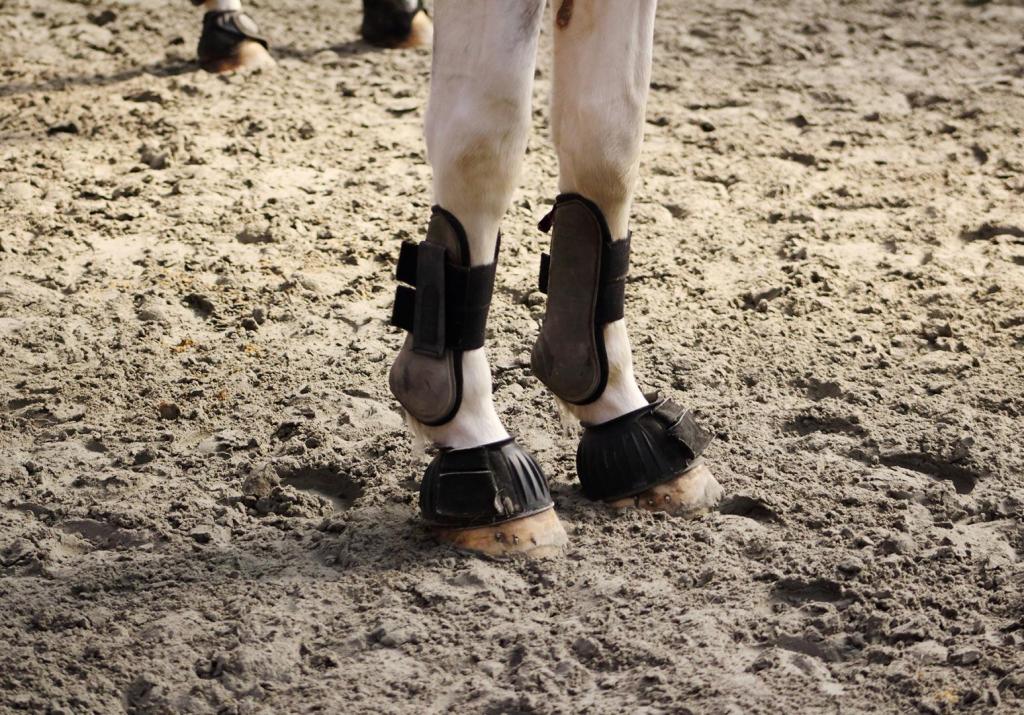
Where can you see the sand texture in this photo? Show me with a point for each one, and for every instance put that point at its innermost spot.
(208, 496)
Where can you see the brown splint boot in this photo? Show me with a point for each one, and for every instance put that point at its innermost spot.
(231, 42)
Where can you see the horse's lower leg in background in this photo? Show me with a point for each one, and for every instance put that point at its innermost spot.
(483, 490)
(232, 41)
(396, 23)
(602, 70)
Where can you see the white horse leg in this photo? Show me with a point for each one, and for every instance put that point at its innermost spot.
(476, 130)
(602, 66)
(599, 96)
(477, 124)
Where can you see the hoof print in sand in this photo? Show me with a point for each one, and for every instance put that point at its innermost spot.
(798, 590)
(299, 491)
(749, 507)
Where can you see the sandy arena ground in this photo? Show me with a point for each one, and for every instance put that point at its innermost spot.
(208, 497)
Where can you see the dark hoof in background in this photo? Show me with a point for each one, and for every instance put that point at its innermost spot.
(231, 41)
(396, 23)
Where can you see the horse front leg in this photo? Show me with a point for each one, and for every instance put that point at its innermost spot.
(635, 450)
(483, 491)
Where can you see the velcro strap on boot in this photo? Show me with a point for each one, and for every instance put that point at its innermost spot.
(447, 305)
(444, 307)
(639, 450)
(585, 280)
(680, 423)
(483, 485)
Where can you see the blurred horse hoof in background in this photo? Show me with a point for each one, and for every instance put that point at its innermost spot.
(231, 42)
(396, 23)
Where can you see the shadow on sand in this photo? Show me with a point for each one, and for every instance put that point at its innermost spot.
(172, 68)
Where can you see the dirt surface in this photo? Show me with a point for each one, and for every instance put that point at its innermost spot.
(208, 497)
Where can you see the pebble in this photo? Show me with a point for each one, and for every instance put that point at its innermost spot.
(534, 299)
(929, 652)
(261, 481)
(491, 667)
(168, 411)
(202, 534)
(103, 18)
(256, 233)
(143, 456)
(586, 648)
(201, 304)
(896, 543)
(965, 656)
(307, 283)
(20, 191)
(154, 158)
(392, 636)
(850, 566)
(151, 315)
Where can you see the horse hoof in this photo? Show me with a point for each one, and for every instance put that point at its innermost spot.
(230, 42)
(421, 34)
(246, 55)
(536, 536)
(391, 26)
(693, 493)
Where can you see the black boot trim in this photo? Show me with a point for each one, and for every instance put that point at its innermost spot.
(639, 450)
(482, 486)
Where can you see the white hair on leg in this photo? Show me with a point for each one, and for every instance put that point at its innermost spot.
(599, 96)
(478, 117)
(477, 124)
(602, 70)
(476, 422)
(420, 441)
